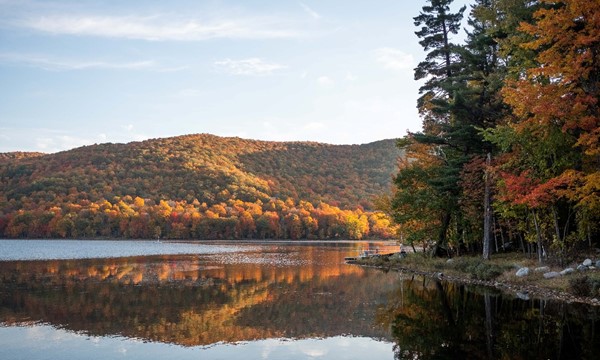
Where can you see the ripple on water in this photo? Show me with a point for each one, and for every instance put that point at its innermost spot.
(271, 259)
(88, 249)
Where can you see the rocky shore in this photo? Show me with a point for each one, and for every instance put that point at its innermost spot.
(535, 284)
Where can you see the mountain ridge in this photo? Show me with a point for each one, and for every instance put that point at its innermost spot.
(249, 169)
(199, 186)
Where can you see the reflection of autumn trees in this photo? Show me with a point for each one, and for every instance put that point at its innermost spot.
(327, 307)
(434, 320)
(198, 186)
(192, 301)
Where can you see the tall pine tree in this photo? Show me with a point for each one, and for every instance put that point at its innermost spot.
(437, 166)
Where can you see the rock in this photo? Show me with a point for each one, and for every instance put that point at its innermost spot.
(523, 295)
(587, 262)
(582, 267)
(542, 269)
(522, 272)
(450, 261)
(567, 271)
(396, 256)
(598, 264)
(551, 274)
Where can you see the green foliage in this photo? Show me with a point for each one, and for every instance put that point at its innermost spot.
(477, 268)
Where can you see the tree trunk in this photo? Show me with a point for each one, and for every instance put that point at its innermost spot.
(522, 243)
(495, 236)
(558, 237)
(501, 235)
(487, 215)
(539, 236)
(442, 235)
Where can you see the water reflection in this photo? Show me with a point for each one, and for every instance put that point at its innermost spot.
(271, 292)
(435, 320)
(198, 300)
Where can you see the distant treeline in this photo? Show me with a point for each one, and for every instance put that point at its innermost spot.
(137, 218)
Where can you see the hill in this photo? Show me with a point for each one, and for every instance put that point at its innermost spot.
(199, 171)
(19, 155)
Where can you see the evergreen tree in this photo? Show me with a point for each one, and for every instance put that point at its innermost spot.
(438, 169)
(460, 97)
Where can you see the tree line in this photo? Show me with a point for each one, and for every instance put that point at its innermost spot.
(509, 153)
(137, 218)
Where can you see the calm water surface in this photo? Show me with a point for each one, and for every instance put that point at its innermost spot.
(232, 300)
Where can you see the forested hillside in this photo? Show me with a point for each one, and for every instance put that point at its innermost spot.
(198, 186)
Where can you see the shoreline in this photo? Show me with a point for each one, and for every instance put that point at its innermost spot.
(524, 291)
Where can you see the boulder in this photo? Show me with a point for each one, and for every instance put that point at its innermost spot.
(582, 267)
(542, 269)
(598, 264)
(567, 271)
(551, 274)
(522, 272)
(587, 262)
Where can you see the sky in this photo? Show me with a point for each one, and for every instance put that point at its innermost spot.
(82, 72)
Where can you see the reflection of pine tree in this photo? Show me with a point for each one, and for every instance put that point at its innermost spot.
(433, 320)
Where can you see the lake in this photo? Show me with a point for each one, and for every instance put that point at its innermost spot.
(262, 300)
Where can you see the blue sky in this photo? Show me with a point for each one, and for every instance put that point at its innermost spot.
(82, 72)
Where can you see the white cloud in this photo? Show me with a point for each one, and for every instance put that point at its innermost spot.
(160, 28)
(251, 66)
(394, 59)
(313, 14)
(325, 81)
(49, 63)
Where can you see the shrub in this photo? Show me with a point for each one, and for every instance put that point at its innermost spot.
(477, 268)
(484, 271)
(595, 287)
(580, 286)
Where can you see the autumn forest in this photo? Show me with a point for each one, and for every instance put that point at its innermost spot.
(509, 154)
(199, 187)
